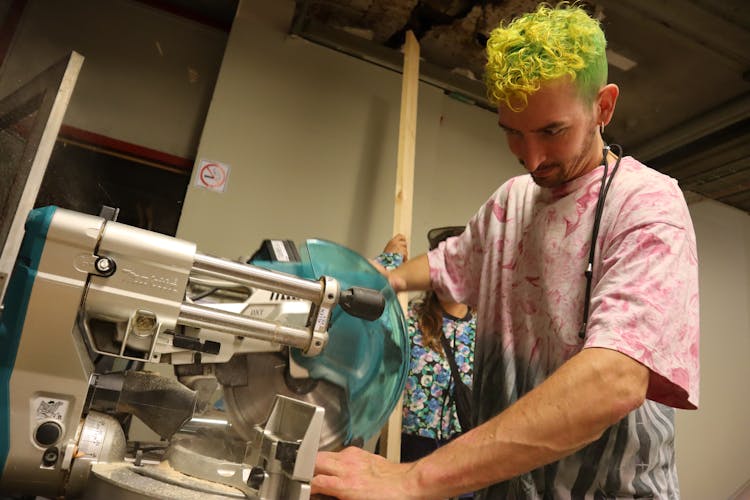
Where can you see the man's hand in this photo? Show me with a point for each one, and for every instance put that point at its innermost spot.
(397, 244)
(358, 475)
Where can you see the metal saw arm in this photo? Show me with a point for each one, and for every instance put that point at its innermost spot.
(134, 298)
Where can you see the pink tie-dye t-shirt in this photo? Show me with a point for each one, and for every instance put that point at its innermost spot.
(520, 262)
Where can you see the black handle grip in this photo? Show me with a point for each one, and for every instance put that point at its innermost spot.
(363, 303)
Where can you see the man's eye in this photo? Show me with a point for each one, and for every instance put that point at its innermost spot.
(552, 131)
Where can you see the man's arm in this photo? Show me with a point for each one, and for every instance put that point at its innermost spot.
(413, 275)
(572, 408)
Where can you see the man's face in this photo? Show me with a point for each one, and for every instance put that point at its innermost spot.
(555, 137)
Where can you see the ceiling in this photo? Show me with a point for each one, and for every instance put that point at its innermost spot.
(683, 67)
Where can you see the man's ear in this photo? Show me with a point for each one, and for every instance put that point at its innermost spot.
(605, 103)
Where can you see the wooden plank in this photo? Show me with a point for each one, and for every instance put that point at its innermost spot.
(390, 438)
(402, 210)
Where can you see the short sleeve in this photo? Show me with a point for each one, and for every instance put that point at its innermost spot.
(456, 263)
(645, 305)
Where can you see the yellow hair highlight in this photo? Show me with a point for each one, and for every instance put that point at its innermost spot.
(542, 46)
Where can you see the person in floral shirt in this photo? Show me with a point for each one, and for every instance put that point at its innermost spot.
(430, 418)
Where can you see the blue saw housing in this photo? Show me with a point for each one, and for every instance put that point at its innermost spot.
(16, 302)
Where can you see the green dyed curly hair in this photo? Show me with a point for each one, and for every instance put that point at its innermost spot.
(541, 46)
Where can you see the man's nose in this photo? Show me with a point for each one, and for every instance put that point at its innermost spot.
(532, 156)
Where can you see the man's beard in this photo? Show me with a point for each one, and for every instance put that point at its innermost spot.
(575, 167)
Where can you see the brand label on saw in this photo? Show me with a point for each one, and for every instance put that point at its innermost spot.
(322, 322)
(166, 283)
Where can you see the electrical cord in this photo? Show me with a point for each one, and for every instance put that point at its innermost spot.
(603, 190)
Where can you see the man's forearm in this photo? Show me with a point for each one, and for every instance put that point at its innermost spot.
(412, 275)
(571, 409)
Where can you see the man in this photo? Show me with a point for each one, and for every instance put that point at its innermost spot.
(575, 397)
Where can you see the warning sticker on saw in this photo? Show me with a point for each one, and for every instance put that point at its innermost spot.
(49, 409)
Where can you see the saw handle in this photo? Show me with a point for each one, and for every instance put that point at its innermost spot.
(362, 302)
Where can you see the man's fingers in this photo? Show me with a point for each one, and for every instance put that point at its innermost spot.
(329, 469)
(325, 485)
(326, 462)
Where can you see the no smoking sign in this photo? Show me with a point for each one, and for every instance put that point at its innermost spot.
(212, 175)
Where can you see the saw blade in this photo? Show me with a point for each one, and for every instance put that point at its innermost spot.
(256, 379)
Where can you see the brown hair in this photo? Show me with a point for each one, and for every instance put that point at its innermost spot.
(429, 315)
(428, 308)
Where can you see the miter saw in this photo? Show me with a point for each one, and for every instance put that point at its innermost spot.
(273, 360)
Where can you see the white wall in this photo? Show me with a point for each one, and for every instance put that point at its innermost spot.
(713, 447)
(147, 77)
(311, 137)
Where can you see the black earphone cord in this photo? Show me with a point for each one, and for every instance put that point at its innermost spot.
(606, 183)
